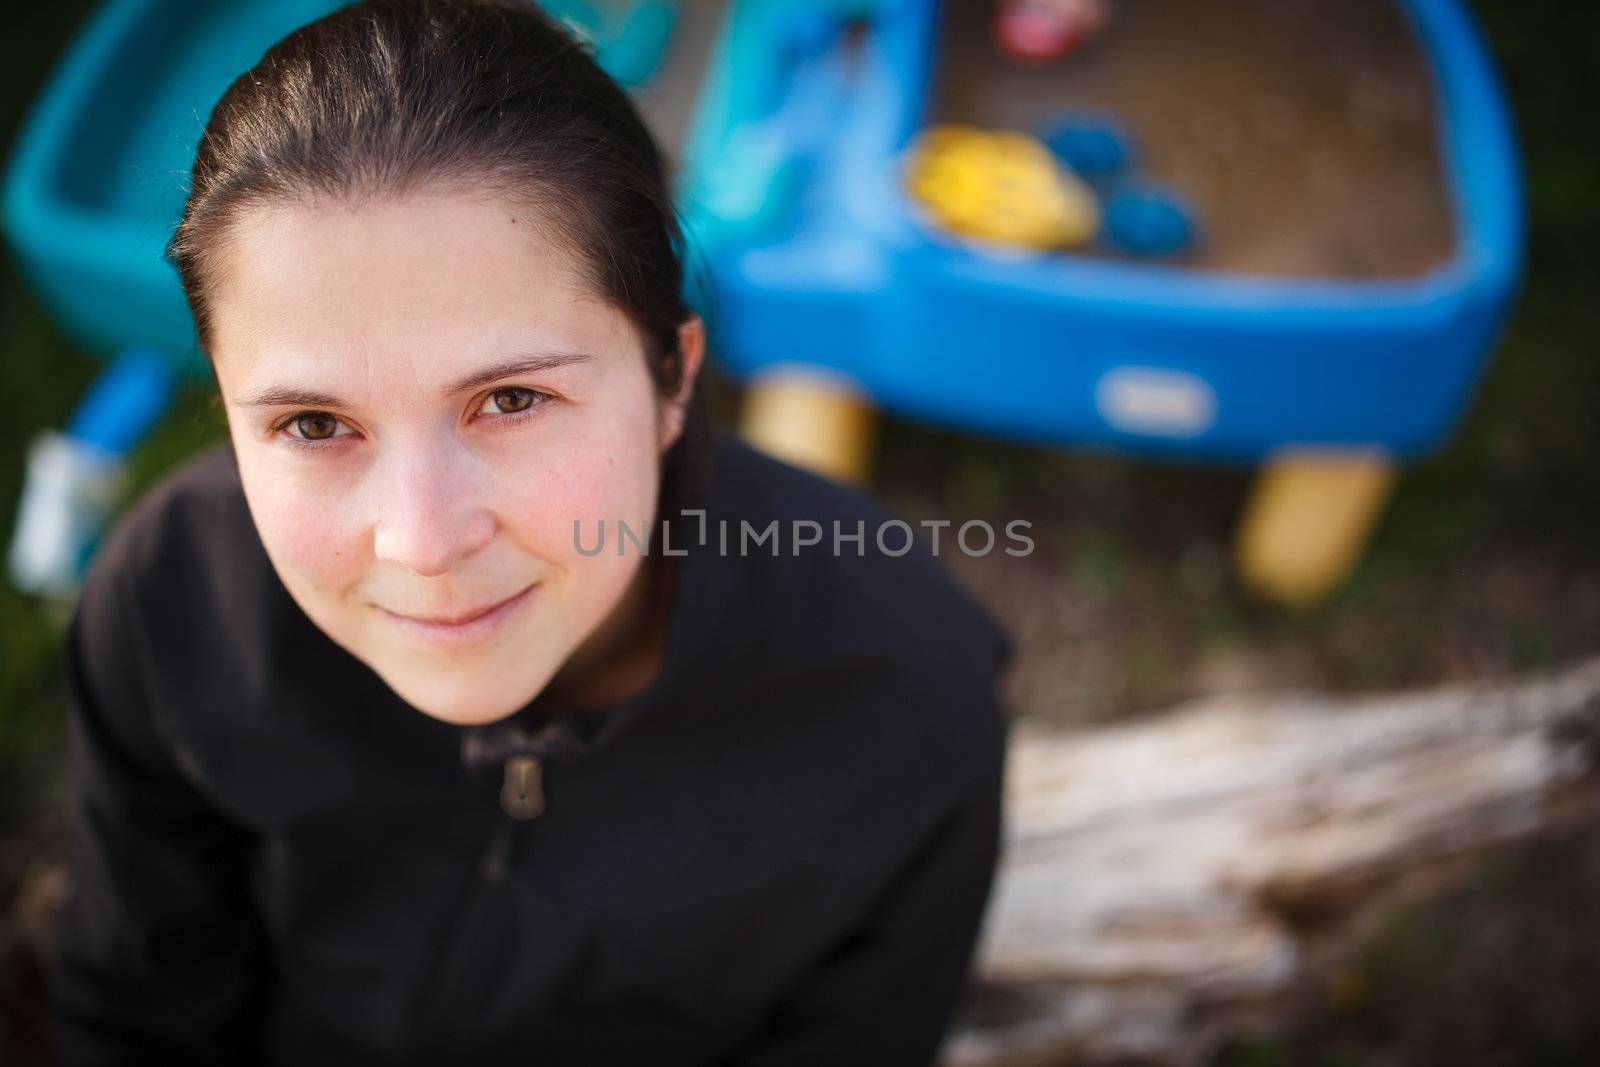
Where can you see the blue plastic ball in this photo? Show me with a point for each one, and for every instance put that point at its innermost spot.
(1148, 221)
(1093, 146)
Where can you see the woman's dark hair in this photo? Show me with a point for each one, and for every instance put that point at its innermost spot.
(388, 96)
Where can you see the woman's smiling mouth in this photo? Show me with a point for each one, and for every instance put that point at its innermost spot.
(467, 628)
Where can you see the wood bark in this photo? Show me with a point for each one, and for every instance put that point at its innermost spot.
(1167, 881)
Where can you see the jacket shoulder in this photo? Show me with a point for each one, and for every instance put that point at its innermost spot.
(884, 590)
(183, 581)
(177, 527)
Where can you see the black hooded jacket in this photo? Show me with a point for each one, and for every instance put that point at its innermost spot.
(779, 853)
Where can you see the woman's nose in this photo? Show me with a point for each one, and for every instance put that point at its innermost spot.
(427, 519)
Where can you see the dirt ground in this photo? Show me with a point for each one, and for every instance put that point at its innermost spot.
(1129, 602)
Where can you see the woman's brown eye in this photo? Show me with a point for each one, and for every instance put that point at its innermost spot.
(511, 401)
(316, 427)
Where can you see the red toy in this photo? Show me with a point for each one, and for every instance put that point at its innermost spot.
(1037, 31)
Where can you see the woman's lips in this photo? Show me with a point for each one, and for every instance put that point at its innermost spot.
(462, 629)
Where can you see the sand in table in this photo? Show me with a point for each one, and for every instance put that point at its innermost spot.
(1302, 130)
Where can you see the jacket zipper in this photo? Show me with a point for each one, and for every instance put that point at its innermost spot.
(522, 794)
(522, 799)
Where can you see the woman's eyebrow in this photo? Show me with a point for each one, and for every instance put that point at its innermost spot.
(291, 397)
(518, 365)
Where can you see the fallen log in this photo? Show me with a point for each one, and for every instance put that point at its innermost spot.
(1169, 881)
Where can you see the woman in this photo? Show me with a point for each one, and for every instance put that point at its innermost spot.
(408, 727)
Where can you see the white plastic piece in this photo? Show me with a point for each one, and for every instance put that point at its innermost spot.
(1156, 401)
(69, 490)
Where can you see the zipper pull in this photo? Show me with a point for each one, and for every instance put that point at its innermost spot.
(522, 796)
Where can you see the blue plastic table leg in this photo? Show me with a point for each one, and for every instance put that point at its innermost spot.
(124, 403)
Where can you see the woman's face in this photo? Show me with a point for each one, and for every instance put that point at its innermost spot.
(424, 399)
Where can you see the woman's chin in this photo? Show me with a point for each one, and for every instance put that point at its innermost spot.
(467, 704)
(468, 716)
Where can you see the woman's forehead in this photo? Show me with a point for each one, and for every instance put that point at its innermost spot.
(433, 286)
(444, 249)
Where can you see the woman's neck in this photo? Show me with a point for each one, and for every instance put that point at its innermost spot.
(623, 657)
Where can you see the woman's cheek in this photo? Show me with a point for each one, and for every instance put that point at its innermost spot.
(573, 497)
(586, 480)
(311, 531)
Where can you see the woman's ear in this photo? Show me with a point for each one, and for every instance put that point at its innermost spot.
(692, 350)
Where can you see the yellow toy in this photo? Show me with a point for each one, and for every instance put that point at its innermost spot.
(999, 186)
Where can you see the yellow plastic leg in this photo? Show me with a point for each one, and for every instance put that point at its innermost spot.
(812, 419)
(1307, 520)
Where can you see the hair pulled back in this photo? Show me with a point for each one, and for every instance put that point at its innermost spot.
(387, 97)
